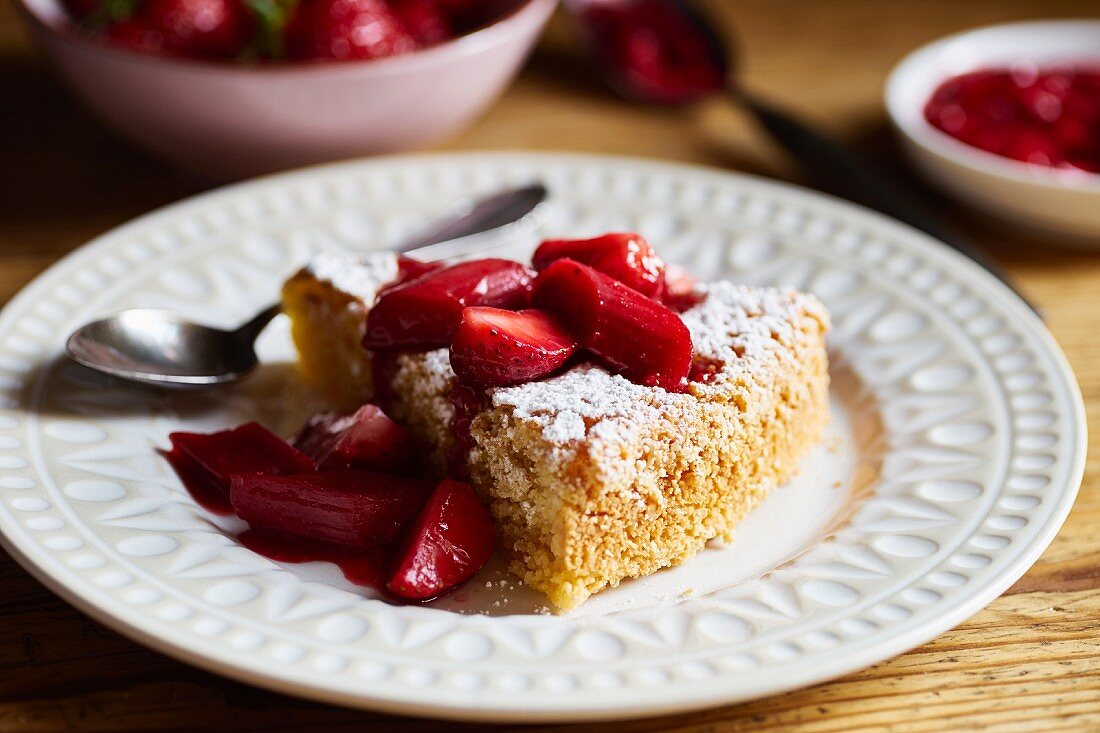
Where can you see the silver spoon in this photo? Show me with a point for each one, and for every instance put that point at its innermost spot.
(160, 348)
(699, 62)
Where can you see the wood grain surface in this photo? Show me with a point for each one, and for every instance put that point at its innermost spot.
(1029, 662)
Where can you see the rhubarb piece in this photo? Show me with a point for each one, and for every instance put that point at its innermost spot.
(627, 258)
(498, 348)
(204, 462)
(365, 439)
(423, 313)
(451, 540)
(640, 338)
(410, 269)
(350, 509)
(467, 403)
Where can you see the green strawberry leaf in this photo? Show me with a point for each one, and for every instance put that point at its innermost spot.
(271, 18)
(110, 12)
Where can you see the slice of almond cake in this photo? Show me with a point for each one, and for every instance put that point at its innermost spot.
(591, 478)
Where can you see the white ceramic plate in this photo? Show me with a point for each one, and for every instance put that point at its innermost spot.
(956, 449)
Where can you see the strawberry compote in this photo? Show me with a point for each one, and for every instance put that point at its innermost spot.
(1044, 116)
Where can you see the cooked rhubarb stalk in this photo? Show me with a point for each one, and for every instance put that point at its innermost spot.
(424, 313)
(212, 458)
(627, 258)
(497, 348)
(449, 542)
(409, 269)
(640, 338)
(350, 509)
(366, 439)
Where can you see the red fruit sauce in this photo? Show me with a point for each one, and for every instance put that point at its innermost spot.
(369, 568)
(1044, 116)
(206, 494)
(704, 369)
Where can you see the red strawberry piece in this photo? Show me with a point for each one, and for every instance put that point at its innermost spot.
(497, 348)
(345, 29)
(449, 542)
(424, 19)
(641, 338)
(350, 509)
(199, 28)
(424, 313)
(366, 438)
(626, 257)
(205, 462)
(135, 36)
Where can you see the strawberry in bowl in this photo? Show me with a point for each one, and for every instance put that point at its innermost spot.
(234, 88)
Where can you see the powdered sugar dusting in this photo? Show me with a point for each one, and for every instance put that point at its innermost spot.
(425, 379)
(360, 276)
(746, 329)
(583, 399)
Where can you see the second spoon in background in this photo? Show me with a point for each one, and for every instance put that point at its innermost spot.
(666, 52)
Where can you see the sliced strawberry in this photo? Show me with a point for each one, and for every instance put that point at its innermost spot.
(345, 29)
(642, 339)
(497, 348)
(366, 439)
(351, 509)
(627, 258)
(204, 462)
(424, 19)
(199, 28)
(449, 542)
(424, 313)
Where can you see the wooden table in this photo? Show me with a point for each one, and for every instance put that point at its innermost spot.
(1031, 661)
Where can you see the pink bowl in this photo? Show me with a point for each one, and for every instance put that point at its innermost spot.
(233, 121)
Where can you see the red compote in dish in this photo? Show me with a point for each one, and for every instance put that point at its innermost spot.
(605, 414)
(1044, 116)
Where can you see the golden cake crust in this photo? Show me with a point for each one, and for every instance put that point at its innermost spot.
(592, 479)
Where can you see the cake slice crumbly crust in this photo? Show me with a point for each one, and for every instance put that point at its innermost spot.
(592, 479)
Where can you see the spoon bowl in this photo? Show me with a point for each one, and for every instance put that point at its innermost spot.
(161, 348)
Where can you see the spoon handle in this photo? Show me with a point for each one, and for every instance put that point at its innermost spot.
(443, 238)
(251, 330)
(476, 217)
(845, 173)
